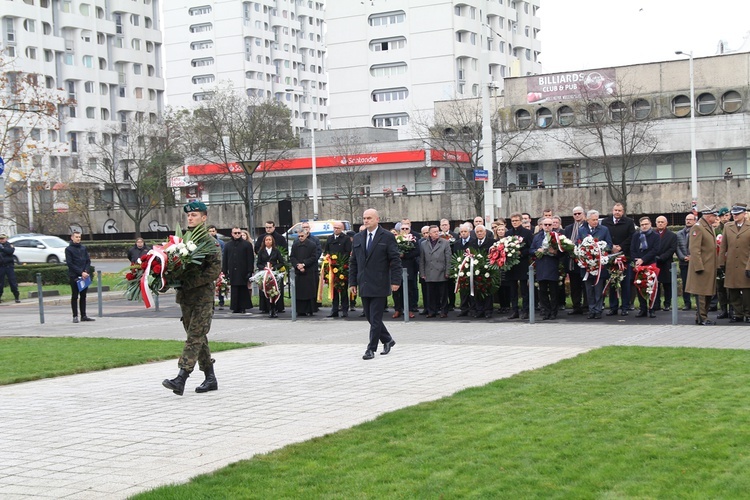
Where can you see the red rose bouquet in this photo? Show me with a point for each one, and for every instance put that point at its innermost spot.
(646, 282)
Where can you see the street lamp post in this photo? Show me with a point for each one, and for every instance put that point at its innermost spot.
(314, 160)
(250, 167)
(693, 157)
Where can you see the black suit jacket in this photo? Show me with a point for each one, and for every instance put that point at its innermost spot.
(376, 271)
(459, 247)
(275, 258)
(621, 233)
(486, 244)
(667, 249)
(520, 271)
(648, 256)
(342, 244)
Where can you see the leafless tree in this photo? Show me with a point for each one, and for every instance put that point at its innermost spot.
(455, 132)
(31, 110)
(231, 128)
(133, 160)
(615, 136)
(351, 178)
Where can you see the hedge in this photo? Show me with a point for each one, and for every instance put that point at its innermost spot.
(52, 274)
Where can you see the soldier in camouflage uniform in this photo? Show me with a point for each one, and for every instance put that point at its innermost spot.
(196, 299)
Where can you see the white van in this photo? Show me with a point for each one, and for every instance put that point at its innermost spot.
(319, 228)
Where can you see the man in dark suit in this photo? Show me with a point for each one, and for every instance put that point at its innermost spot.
(518, 275)
(462, 243)
(375, 268)
(577, 289)
(621, 229)
(644, 249)
(667, 249)
(410, 262)
(483, 303)
(339, 243)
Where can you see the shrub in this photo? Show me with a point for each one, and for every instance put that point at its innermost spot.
(52, 274)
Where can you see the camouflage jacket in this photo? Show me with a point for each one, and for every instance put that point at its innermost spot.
(200, 285)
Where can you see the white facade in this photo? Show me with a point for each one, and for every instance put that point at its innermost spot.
(267, 49)
(389, 62)
(104, 54)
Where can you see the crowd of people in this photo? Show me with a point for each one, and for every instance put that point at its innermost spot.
(716, 280)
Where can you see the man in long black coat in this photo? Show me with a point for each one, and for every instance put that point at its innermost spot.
(375, 268)
(339, 243)
(644, 249)
(621, 229)
(518, 275)
(238, 264)
(667, 249)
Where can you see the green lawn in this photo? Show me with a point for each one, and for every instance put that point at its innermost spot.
(32, 358)
(618, 422)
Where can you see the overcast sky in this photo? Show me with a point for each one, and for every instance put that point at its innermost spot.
(585, 34)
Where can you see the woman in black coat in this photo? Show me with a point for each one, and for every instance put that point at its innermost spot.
(304, 258)
(269, 254)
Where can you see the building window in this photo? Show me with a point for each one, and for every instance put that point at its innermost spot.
(135, 43)
(206, 61)
(398, 94)
(139, 93)
(706, 103)
(523, 118)
(31, 52)
(151, 70)
(201, 96)
(203, 79)
(135, 19)
(88, 61)
(388, 69)
(88, 87)
(681, 106)
(594, 113)
(137, 69)
(386, 18)
(150, 46)
(543, 117)
(618, 111)
(203, 44)
(565, 116)
(201, 28)
(103, 89)
(394, 120)
(385, 44)
(641, 109)
(90, 112)
(731, 101)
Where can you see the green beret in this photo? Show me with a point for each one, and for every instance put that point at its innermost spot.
(723, 211)
(195, 206)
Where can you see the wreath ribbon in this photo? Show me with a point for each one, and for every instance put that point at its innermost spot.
(269, 276)
(156, 253)
(330, 275)
(467, 257)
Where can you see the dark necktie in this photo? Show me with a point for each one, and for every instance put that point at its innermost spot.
(644, 245)
(480, 243)
(369, 243)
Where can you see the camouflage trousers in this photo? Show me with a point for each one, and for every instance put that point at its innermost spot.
(196, 319)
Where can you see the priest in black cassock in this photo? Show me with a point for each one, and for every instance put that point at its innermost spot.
(237, 264)
(304, 259)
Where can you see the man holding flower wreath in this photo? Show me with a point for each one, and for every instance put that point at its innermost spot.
(644, 248)
(595, 282)
(547, 269)
(196, 299)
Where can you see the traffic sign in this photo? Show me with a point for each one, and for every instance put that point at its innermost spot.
(2, 166)
(481, 175)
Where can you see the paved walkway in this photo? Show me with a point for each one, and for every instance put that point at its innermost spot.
(115, 433)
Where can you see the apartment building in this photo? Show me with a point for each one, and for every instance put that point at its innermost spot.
(105, 56)
(267, 49)
(388, 62)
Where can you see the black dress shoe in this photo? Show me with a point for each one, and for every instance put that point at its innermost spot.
(640, 314)
(344, 315)
(430, 316)
(514, 315)
(524, 315)
(686, 308)
(591, 316)
(598, 316)
(387, 347)
(333, 315)
(86, 318)
(624, 312)
(362, 315)
(651, 314)
(722, 315)
(666, 308)
(575, 311)
(462, 314)
(423, 313)
(368, 355)
(736, 319)
(612, 312)
(443, 315)
(707, 322)
(274, 315)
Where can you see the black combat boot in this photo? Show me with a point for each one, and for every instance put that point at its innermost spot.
(177, 384)
(210, 384)
(723, 314)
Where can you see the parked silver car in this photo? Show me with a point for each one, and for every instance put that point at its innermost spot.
(38, 248)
